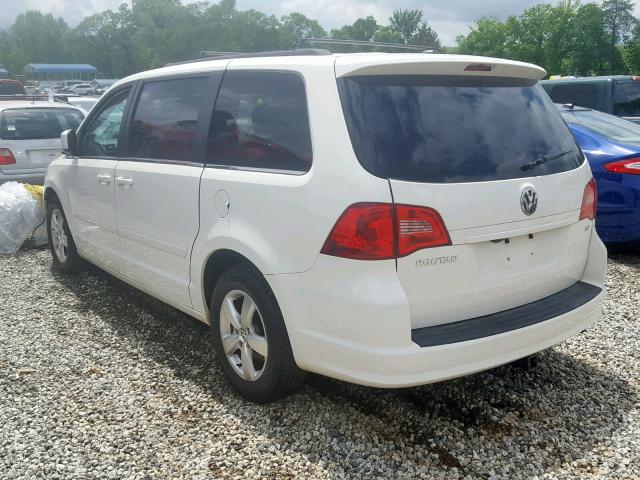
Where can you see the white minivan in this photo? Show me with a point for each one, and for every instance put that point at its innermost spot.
(385, 219)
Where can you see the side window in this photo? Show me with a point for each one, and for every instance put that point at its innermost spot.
(102, 136)
(627, 99)
(164, 123)
(582, 95)
(260, 121)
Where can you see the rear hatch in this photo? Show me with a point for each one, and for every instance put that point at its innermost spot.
(492, 155)
(33, 136)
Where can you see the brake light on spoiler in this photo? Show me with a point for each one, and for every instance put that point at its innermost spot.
(379, 231)
(478, 67)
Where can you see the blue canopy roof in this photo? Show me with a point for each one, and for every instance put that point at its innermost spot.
(3, 70)
(59, 68)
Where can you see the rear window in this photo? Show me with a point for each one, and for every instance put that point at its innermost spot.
(627, 99)
(11, 88)
(455, 129)
(37, 123)
(606, 125)
(582, 94)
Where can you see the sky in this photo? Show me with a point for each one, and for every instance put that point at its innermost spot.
(449, 18)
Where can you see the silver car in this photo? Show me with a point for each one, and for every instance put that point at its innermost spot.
(30, 137)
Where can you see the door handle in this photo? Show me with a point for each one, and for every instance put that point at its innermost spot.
(124, 182)
(104, 179)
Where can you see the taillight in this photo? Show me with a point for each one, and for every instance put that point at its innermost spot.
(378, 231)
(630, 165)
(6, 157)
(589, 201)
(418, 228)
(363, 232)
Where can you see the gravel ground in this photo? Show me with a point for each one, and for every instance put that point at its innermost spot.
(98, 380)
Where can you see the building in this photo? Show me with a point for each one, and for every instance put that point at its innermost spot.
(58, 72)
(4, 73)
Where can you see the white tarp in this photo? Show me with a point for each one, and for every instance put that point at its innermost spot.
(21, 212)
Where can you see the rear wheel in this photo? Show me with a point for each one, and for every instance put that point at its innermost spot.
(250, 338)
(63, 248)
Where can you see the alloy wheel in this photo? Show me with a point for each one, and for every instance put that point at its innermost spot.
(243, 335)
(59, 238)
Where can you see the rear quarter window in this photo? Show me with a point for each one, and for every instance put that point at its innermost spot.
(261, 122)
(455, 129)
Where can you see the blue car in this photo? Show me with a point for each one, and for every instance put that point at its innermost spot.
(612, 147)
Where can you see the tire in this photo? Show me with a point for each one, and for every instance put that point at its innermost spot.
(65, 257)
(251, 335)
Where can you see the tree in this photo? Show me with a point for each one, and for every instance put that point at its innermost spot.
(488, 37)
(589, 52)
(426, 36)
(39, 38)
(410, 28)
(406, 23)
(296, 26)
(363, 29)
(618, 20)
(631, 52)
(104, 40)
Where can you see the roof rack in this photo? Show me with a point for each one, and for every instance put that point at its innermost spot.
(34, 98)
(364, 43)
(208, 55)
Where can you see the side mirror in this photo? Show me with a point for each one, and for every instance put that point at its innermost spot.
(69, 142)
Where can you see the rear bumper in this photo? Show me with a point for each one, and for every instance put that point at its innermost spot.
(34, 178)
(416, 365)
(356, 327)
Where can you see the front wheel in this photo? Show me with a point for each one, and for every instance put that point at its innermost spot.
(250, 338)
(63, 248)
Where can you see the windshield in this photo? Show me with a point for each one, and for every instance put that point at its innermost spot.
(445, 129)
(606, 125)
(37, 123)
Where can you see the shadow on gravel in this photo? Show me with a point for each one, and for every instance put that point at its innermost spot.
(535, 421)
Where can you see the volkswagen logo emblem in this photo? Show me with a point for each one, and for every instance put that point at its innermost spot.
(529, 201)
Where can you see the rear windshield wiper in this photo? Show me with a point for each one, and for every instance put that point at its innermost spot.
(545, 159)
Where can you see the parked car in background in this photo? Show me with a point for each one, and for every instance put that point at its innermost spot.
(612, 147)
(31, 90)
(30, 137)
(86, 103)
(615, 94)
(384, 219)
(82, 88)
(11, 87)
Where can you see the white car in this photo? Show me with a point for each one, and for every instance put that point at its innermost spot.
(82, 89)
(30, 137)
(85, 103)
(385, 219)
